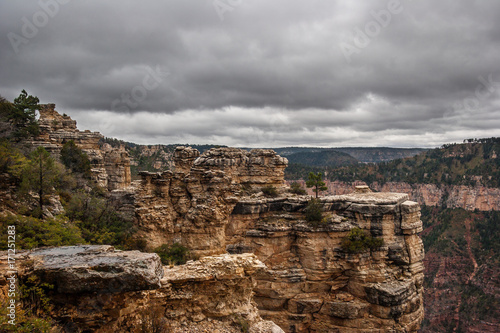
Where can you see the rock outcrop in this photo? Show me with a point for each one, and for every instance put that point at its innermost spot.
(191, 206)
(312, 284)
(110, 166)
(94, 268)
(214, 202)
(210, 204)
(213, 294)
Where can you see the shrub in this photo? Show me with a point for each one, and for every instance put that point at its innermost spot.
(75, 159)
(32, 232)
(34, 295)
(270, 191)
(133, 243)
(296, 188)
(360, 240)
(314, 212)
(25, 322)
(98, 219)
(175, 254)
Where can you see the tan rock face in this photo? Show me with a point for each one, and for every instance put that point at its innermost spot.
(191, 206)
(110, 166)
(312, 284)
(210, 295)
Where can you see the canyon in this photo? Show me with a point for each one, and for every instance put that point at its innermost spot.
(214, 202)
(260, 265)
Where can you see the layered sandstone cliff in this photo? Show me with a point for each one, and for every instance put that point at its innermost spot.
(191, 206)
(110, 166)
(211, 202)
(313, 285)
(99, 289)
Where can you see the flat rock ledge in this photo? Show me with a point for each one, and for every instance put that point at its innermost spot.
(96, 268)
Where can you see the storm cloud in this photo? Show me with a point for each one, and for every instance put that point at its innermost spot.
(395, 73)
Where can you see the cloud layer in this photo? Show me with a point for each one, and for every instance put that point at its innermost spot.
(260, 73)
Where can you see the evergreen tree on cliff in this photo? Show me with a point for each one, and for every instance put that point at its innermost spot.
(41, 175)
(316, 181)
(21, 114)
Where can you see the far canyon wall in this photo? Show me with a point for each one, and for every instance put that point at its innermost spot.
(449, 196)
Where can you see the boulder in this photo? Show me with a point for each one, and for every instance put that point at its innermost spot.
(96, 268)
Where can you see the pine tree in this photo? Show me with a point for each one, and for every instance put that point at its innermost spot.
(41, 175)
(316, 181)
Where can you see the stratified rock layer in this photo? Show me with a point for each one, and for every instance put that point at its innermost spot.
(191, 206)
(213, 294)
(110, 166)
(312, 284)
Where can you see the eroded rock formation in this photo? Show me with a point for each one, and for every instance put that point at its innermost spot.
(213, 202)
(98, 289)
(191, 206)
(313, 285)
(110, 166)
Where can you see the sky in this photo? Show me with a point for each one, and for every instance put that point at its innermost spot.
(255, 73)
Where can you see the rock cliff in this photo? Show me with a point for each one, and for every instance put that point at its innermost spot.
(191, 206)
(312, 284)
(211, 202)
(110, 166)
(99, 289)
(215, 202)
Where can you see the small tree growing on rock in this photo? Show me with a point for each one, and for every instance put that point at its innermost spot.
(41, 175)
(316, 181)
(22, 115)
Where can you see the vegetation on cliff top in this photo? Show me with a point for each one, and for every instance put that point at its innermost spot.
(316, 181)
(475, 161)
(21, 114)
(314, 213)
(40, 180)
(174, 254)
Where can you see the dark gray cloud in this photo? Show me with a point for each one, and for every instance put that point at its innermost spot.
(261, 73)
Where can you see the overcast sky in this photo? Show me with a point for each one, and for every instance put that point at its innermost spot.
(261, 73)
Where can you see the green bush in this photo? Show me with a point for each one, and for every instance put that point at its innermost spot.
(134, 243)
(32, 232)
(25, 322)
(360, 240)
(12, 160)
(296, 188)
(314, 212)
(175, 254)
(98, 219)
(270, 191)
(75, 159)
